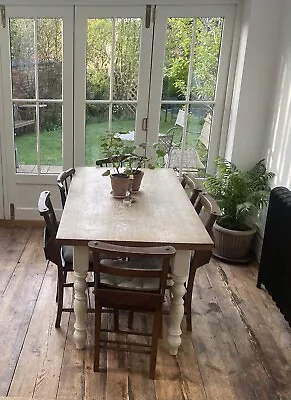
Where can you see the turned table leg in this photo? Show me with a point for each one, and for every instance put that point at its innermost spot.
(81, 262)
(180, 272)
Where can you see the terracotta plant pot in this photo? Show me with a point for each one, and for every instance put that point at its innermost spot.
(119, 184)
(137, 178)
(232, 245)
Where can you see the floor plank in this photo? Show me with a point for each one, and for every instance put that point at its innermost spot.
(17, 306)
(240, 347)
(221, 367)
(270, 355)
(40, 363)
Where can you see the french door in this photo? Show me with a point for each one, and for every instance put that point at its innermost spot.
(37, 85)
(70, 75)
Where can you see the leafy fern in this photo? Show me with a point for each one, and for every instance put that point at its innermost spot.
(239, 194)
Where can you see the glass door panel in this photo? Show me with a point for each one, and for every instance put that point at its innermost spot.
(116, 64)
(112, 65)
(36, 74)
(189, 79)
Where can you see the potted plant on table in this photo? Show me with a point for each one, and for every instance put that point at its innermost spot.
(240, 196)
(116, 151)
(127, 162)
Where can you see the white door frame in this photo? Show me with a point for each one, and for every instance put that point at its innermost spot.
(15, 183)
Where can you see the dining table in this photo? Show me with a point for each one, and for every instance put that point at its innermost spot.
(161, 214)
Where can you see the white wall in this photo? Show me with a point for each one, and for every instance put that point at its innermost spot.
(277, 148)
(255, 75)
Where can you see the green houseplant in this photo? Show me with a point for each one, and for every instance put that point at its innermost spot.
(240, 195)
(116, 151)
(127, 162)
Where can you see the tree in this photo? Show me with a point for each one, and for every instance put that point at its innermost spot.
(208, 33)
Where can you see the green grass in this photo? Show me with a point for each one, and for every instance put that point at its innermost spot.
(51, 141)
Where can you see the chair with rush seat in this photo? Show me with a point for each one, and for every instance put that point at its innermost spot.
(136, 285)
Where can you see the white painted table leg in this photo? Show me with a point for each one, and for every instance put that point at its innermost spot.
(81, 262)
(180, 273)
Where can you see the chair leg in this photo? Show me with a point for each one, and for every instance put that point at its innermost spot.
(188, 298)
(130, 320)
(116, 319)
(60, 298)
(155, 340)
(97, 335)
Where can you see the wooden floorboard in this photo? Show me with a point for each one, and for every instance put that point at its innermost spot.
(240, 347)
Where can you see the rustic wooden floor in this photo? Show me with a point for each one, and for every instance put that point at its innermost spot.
(239, 349)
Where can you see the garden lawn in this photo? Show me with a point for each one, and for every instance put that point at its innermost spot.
(51, 141)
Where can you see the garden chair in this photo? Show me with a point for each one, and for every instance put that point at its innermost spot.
(191, 158)
(130, 285)
(61, 256)
(63, 181)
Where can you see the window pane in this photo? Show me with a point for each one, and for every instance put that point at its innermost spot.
(22, 58)
(126, 58)
(99, 48)
(51, 138)
(123, 119)
(177, 55)
(206, 58)
(96, 126)
(49, 51)
(25, 138)
(206, 33)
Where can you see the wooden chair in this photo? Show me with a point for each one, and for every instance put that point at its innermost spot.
(63, 181)
(209, 211)
(135, 285)
(107, 162)
(62, 257)
(193, 186)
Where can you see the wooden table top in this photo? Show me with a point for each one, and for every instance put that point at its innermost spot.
(162, 213)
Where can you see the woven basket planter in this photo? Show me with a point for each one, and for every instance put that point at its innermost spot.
(233, 245)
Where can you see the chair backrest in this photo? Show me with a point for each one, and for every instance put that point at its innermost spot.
(136, 268)
(192, 185)
(63, 182)
(107, 162)
(46, 210)
(208, 210)
(166, 141)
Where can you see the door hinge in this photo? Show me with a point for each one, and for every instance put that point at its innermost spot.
(148, 16)
(12, 211)
(3, 16)
(144, 124)
(154, 15)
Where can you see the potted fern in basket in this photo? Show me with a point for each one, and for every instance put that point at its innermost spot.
(240, 195)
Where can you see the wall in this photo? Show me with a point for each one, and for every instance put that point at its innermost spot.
(277, 149)
(255, 74)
